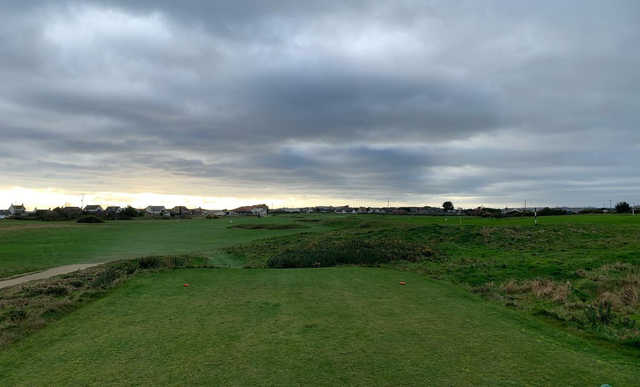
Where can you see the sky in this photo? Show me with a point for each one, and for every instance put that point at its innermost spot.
(292, 103)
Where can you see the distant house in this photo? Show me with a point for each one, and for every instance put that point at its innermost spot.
(4, 214)
(180, 211)
(93, 209)
(17, 210)
(112, 210)
(345, 210)
(156, 211)
(255, 210)
(72, 211)
(42, 213)
(197, 211)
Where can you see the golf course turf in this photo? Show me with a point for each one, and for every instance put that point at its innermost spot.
(486, 301)
(324, 326)
(27, 246)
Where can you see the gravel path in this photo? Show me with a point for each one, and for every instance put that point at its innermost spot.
(46, 274)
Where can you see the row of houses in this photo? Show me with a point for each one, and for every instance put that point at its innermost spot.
(16, 210)
(426, 210)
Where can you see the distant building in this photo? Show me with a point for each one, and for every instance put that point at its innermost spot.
(112, 210)
(345, 210)
(180, 211)
(255, 210)
(156, 211)
(17, 210)
(197, 211)
(93, 209)
(42, 213)
(72, 211)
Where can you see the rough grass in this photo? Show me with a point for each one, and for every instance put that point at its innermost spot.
(268, 226)
(328, 326)
(28, 307)
(27, 246)
(584, 276)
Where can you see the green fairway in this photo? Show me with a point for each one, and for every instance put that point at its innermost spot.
(304, 326)
(32, 245)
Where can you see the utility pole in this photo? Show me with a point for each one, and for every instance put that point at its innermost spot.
(610, 206)
(535, 216)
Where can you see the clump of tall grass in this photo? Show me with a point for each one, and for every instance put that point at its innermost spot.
(349, 251)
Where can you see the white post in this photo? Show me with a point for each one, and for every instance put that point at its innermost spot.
(535, 216)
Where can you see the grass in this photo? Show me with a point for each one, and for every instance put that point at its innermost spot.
(31, 306)
(329, 326)
(564, 302)
(27, 246)
(583, 275)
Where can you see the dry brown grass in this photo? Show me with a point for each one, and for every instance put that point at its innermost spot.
(630, 295)
(611, 298)
(541, 288)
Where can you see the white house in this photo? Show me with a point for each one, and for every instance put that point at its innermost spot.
(93, 209)
(156, 210)
(113, 210)
(17, 210)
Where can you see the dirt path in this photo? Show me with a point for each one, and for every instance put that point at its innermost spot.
(46, 274)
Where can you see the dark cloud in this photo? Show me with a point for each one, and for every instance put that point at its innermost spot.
(407, 100)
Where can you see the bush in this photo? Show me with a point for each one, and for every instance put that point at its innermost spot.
(349, 252)
(90, 219)
(17, 315)
(600, 314)
(149, 262)
(551, 211)
(105, 278)
(623, 208)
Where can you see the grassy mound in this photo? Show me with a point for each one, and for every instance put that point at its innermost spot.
(585, 277)
(356, 250)
(267, 226)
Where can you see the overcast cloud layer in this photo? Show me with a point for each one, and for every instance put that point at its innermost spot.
(416, 102)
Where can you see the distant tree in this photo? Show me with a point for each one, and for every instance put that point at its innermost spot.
(129, 212)
(623, 207)
(552, 211)
(448, 206)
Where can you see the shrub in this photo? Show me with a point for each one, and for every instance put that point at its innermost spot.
(623, 207)
(90, 219)
(17, 315)
(600, 314)
(268, 226)
(57, 291)
(551, 211)
(105, 278)
(353, 251)
(149, 262)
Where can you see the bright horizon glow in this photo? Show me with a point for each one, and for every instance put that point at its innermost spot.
(55, 197)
